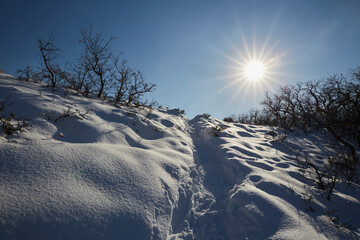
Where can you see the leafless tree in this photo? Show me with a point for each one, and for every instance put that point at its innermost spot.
(97, 70)
(129, 84)
(51, 70)
(81, 79)
(121, 75)
(26, 74)
(138, 87)
(97, 55)
(332, 104)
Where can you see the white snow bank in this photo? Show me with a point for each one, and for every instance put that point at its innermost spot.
(110, 173)
(257, 189)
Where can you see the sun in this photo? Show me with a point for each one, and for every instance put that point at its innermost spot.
(254, 70)
(252, 67)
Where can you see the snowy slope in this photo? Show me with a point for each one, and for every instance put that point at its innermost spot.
(110, 173)
(257, 189)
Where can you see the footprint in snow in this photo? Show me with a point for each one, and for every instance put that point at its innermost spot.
(167, 123)
(244, 134)
(282, 165)
(247, 145)
(277, 190)
(255, 178)
(259, 148)
(245, 128)
(246, 152)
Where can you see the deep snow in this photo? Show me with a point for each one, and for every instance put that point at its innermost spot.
(126, 173)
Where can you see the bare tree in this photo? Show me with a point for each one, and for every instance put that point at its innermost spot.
(138, 87)
(26, 74)
(331, 104)
(97, 55)
(96, 71)
(51, 70)
(121, 76)
(80, 78)
(129, 83)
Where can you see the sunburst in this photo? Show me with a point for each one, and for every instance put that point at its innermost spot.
(252, 71)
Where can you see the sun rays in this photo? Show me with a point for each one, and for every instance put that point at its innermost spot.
(252, 70)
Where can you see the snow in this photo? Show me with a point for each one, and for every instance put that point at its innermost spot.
(110, 173)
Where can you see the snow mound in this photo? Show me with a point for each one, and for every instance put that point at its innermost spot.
(103, 174)
(84, 169)
(258, 191)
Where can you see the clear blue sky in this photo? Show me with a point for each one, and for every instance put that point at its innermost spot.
(191, 49)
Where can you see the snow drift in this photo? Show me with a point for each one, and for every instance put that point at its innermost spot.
(84, 169)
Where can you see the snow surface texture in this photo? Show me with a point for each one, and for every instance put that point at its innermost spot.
(124, 173)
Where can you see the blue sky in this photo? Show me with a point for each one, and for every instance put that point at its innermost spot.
(192, 49)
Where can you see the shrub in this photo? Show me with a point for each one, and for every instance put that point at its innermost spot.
(96, 56)
(70, 113)
(216, 130)
(229, 119)
(337, 167)
(206, 115)
(333, 104)
(26, 74)
(11, 124)
(97, 70)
